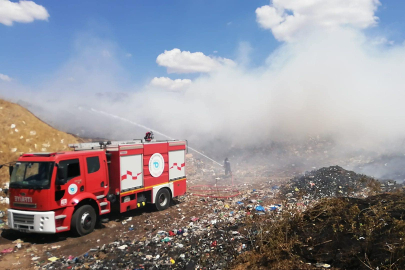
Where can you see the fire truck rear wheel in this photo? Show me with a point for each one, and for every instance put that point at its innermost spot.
(162, 200)
(84, 220)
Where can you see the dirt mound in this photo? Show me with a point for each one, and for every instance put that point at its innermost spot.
(331, 181)
(337, 233)
(22, 132)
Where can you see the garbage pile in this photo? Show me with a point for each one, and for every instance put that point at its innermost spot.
(210, 238)
(336, 233)
(199, 245)
(331, 181)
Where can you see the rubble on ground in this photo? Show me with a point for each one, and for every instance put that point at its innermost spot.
(209, 236)
(333, 181)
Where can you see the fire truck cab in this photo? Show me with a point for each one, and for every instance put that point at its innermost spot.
(62, 191)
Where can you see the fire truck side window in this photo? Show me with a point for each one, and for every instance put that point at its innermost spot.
(93, 164)
(73, 168)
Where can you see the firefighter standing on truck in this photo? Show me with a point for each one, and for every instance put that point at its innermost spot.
(227, 166)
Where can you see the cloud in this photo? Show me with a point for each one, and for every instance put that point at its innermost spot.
(244, 51)
(5, 78)
(169, 84)
(129, 55)
(23, 12)
(382, 41)
(177, 61)
(288, 19)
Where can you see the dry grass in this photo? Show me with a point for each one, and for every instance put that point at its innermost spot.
(347, 233)
(30, 134)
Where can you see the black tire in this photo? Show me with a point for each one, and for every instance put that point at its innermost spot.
(162, 200)
(84, 220)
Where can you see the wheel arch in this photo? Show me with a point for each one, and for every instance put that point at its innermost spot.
(91, 202)
(157, 188)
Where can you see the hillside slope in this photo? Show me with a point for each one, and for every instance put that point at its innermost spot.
(21, 132)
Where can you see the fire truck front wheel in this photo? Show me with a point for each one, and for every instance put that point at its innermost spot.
(84, 220)
(162, 200)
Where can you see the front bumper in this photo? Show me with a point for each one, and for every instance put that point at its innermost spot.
(31, 221)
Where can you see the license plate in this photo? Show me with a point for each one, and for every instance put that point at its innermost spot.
(23, 230)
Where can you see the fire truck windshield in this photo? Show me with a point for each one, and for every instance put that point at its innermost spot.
(36, 175)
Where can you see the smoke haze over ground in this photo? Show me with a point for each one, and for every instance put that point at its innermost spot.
(330, 82)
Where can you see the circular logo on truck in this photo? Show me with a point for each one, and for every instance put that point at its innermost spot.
(72, 189)
(156, 165)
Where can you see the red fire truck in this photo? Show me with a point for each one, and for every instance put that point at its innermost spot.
(57, 192)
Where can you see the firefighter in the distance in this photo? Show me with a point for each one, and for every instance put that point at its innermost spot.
(227, 166)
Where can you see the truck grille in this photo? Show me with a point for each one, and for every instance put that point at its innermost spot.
(23, 219)
(26, 205)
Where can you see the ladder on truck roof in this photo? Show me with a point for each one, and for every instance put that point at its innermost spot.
(103, 145)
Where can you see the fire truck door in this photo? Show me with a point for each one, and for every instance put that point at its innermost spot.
(74, 184)
(95, 175)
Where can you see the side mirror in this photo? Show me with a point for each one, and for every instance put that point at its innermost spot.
(61, 178)
(10, 170)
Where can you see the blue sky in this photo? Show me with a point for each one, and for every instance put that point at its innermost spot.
(31, 52)
(142, 28)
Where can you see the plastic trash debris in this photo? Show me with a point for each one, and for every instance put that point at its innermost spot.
(53, 259)
(324, 265)
(167, 239)
(7, 250)
(259, 208)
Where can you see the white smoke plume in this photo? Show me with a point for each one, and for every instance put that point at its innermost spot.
(332, 82)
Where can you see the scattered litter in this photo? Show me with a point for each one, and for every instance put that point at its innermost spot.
(7, 250)
(260, 208)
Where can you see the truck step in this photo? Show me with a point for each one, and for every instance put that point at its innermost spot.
(60, 216)
(103, 203)
(99, 197)
(105, 211)
(61, 228)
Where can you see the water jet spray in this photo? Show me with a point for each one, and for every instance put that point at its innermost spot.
(151, 129)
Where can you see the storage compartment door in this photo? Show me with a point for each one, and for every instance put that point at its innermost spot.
(131, 172)
(177, 169)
